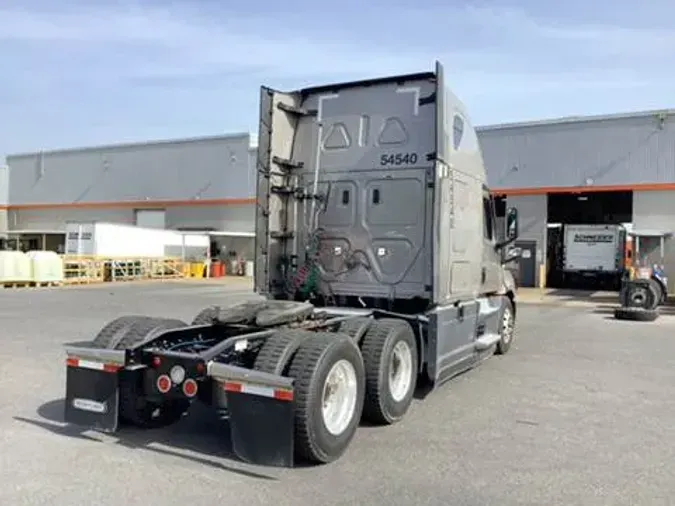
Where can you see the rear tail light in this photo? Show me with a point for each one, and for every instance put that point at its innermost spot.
(163, 383)
(190, 388)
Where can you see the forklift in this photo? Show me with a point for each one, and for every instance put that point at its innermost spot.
(644, 288)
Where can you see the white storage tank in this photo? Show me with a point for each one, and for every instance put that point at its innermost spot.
(15, 267)
(46, 267)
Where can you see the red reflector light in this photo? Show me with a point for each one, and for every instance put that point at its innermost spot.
(283, 395)
(200, 367)
(156, 361)
(163, 383)
(89, 364)
(190, 388)
(233, 387)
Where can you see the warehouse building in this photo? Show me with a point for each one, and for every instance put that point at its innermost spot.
(615, 169)
(200, 184)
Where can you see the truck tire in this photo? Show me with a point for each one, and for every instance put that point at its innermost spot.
(279, 312)
(145, 329)
(636, 314)
(641, 294)
(206, 316)
(659, 292)
(113, 331)
(275, 355)
(507, 326)
(128, 332)
(356, 327)
(390, 358)
(329, 391)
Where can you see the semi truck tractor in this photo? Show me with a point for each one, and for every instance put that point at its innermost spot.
(378, 270)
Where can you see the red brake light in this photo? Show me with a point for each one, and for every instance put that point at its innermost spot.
(190, 387)
(163, 383)
(156, 361)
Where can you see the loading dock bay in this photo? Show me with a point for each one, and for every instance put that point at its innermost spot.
(542, 239)
(577, 413)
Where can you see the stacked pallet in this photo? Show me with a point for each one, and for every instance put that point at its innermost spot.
(35, 268)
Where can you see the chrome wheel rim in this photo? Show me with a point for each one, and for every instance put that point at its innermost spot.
(338, 400)
(400, 371)
(507, 325)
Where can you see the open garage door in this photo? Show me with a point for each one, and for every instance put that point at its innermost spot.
(587, 208)
(590, 208)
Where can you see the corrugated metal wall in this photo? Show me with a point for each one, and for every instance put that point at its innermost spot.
(198, 170)
(209, 168)
(621, 150)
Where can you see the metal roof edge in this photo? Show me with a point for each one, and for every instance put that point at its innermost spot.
(123, 145)
(575, 119)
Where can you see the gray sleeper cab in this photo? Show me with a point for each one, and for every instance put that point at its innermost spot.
(380, 270)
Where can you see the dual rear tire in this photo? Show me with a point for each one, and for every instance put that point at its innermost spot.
(337, 383)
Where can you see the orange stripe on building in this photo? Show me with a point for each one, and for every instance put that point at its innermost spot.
(584, 189)
(138, 204)
(149, 204)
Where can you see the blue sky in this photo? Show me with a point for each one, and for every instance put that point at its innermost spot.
(78, 72)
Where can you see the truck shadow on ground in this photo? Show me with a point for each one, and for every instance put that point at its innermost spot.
(200, 432)
(593, 296)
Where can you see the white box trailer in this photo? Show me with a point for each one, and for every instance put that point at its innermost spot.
(113, 240)
(593, 250)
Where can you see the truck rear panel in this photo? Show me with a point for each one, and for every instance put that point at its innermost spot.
(369, 192)
(369, 150)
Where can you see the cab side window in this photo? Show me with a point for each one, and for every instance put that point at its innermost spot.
(457, 131)
(488, 219)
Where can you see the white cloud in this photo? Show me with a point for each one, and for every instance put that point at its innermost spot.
(161, 42)
(59, 59)
(182, 41)
(593, 36)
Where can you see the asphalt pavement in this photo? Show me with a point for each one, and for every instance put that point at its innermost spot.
(580, 412)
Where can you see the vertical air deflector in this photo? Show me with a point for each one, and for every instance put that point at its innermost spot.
(440, 170)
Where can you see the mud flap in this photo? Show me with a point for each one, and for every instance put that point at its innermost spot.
(261, 427)
(92, 398)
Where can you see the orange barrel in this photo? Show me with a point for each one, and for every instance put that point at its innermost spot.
(216, 270)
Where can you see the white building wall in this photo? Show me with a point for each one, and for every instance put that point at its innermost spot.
(223, 217)
(532, 214)
(655, 211)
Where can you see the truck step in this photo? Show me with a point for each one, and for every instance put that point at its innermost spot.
(486, 341)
